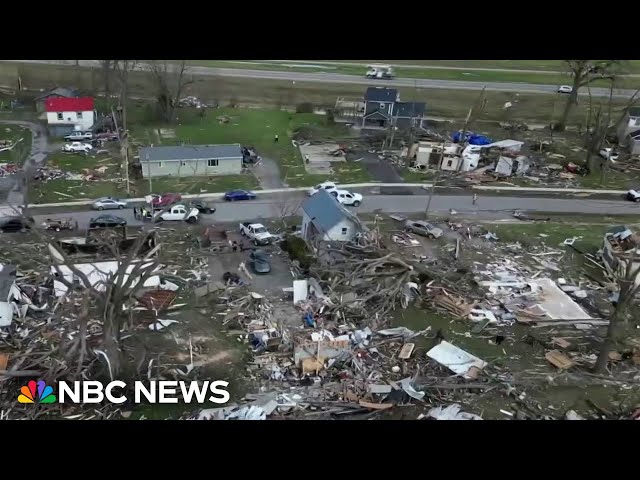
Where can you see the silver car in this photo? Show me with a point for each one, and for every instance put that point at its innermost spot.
(109, 203)
(423, 228)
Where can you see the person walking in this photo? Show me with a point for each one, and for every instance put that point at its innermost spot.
(135, 212)
(475, 198)
(275, 138)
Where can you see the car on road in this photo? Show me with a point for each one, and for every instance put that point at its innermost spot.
(425, 229)
(259, 262)
(634, 194)
(202, 207)
(76, 147)
(162, 200)
(78, 136)
(178, 213)
(107, 221)
(15, 224)
(109, 203)
(327, 186)
(565, 89)
(235, 195)
(347, 198)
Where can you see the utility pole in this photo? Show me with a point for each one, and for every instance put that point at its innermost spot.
(413, 114)
(124, 150)
(149, 174)
(433, 188)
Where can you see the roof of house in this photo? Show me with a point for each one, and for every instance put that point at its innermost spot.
(381, 94)
(409, 109)
(63, 104)
(634, 111)
(190, 152)
(325, 211)
(377, 115)
(60, 92)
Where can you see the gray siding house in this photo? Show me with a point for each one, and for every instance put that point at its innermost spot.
(379, 103)
(63, 92)
(191, 160)
(325, 218)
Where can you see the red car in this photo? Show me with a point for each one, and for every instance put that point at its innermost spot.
(164, 200)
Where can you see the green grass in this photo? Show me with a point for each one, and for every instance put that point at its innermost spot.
(196, 185)
(528, 234)
(410, 176)
(486, 76)
(19, 153)
(612, 180)
(76, 189)
(79, 163)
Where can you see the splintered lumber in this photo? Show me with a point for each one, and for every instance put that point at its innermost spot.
(453, 304)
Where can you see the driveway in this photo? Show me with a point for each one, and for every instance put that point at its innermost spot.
(382, 171)
(12, 187)
(268, 173)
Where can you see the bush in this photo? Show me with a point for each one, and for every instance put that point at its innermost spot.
(304, 107)
(330, 117)
(297, 249)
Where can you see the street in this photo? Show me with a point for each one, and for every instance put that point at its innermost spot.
(354, 79)
(440, 205)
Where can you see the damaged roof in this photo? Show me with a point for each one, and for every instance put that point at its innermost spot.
(325, 211)
(60, 92)
(381, 94)
(410, 109)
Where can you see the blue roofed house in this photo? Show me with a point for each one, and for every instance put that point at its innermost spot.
(383, 108)
(324, 218)
(407, 113)
(191, 160)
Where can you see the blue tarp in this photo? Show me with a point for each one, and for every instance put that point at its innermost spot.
(472, 138)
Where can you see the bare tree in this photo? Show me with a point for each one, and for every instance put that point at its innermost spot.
(123, 67)
(170, 81)
(108, 66)
(628, 280)
(584, 72)
(287, 206)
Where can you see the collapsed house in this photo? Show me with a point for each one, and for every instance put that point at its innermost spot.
(620, 251)
(324, 218)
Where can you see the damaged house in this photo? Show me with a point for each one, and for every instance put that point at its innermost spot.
(621, 250)
(629, 130)
(324, 218)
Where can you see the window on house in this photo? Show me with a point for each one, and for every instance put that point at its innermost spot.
(382, 106)
(344, 230)
(183, 163)
(449, 163)
(160, 165)
(59, 116)
(212, 162)
(79, 115)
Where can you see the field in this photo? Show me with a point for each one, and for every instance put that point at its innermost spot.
(19, 153)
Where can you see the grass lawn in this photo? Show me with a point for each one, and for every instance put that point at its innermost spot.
(19, 153)
(50, 192)
(546, 78)
(410, 176)
(612, 180)
(194, 185)
(531, 234)
(79, 163)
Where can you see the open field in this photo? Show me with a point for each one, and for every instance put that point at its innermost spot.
(282, 94)
(487, 76)
(19, 153)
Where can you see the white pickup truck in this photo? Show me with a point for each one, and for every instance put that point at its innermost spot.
(79, 136)
(177, 213)
(256, 232)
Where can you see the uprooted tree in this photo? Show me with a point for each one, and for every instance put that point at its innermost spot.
(584, 73)
(169, 82)
(628, 281)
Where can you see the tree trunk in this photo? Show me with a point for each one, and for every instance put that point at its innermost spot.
(610, 341)
(571, 101)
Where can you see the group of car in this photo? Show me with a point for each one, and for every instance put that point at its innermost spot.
(345, 197)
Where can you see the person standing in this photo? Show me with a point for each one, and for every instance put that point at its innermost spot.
(475, 198)
(275, 138)
(135, 212)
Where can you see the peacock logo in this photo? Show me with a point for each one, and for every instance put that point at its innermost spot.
(28, 393)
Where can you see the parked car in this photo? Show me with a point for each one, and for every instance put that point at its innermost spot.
(327, 186)
(565, 89)
(235, 195)
(78, 136)
(108, 203)
(259, 262)
(77, 147)
(178, 213)
(202, 207)
(634, 194)
(15, 224)
(423, 228)
(58, 224)
(256, 232)
(162, 200)
(347, 198)
(107, 221)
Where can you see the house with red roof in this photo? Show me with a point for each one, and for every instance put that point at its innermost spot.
(64, 115)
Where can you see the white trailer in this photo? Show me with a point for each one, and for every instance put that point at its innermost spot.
(380, 72)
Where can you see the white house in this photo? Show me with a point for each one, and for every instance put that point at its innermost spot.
(323, 216)
(64, 115)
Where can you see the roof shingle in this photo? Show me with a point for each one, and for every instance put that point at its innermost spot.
(325, 211)
(409, 109)
(190, 152)
(381, 94)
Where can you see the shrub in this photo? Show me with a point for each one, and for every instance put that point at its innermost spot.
(304, 107)
(297, 249)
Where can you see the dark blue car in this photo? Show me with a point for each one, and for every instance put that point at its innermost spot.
(234, 195)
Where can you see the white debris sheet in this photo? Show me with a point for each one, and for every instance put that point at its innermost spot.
(452, 412)
(456, 359)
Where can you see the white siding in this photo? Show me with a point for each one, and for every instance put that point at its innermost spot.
(86, 122)
(334, 234)
(193, 168)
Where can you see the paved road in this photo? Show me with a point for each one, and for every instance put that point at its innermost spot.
(11, 186)
(356, 80)
(440, 205)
